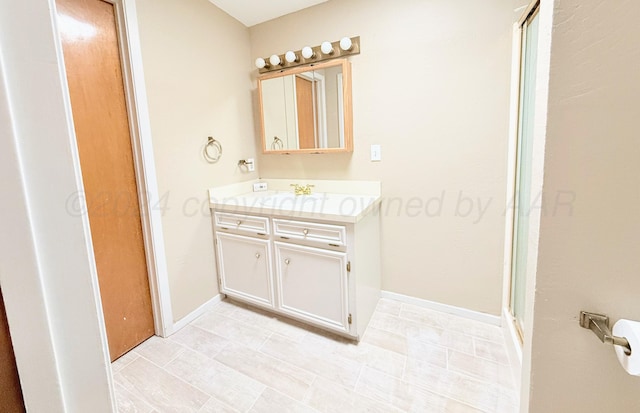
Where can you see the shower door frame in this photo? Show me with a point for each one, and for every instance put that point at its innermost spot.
(519, 42)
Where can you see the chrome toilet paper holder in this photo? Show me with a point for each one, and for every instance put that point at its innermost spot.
(599, 324)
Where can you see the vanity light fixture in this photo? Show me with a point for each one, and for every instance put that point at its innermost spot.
(346, 46)
(275, 60)
(261, 63)
(308, 53)
(327, 48)
(291, 57)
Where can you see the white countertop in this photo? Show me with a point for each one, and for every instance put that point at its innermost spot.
(336, 201)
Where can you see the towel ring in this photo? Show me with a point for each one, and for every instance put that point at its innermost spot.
(212, 146)
(277, 144)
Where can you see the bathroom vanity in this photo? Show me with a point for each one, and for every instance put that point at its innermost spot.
(314, 258)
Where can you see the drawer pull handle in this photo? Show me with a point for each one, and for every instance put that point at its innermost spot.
(305, 231)
(287, 261)
(334, 245)
(261, 233)
(238, 222)
(257, 255)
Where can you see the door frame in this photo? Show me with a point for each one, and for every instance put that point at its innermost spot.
(319, 105)
(144, 164)
(513, 330)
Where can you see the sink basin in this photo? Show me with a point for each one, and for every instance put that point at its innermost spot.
(287, 198)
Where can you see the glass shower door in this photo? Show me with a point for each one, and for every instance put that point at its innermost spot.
(523, 197)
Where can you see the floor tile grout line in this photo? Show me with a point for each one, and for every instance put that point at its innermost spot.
(371, 399)
(439, 344)
(502, 391)
(151, 402)
(301, 402)
(453, 397)
(355, 385)
(227, 316)
(404, 367)
(275, 359)
(206, 392)
(483, 380)
(182, 350)
(130, 361)
(256, 400)
(306, 396)
(194, 386)
(205, 403)
(484, 359)
(134, 395)
(140, 395)
(492, 361)
(200, 328)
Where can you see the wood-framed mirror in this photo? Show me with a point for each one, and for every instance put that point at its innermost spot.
(307, 109)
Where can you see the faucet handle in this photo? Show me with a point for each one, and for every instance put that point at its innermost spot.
(302, 189)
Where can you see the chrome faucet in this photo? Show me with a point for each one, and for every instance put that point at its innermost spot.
(302, 189)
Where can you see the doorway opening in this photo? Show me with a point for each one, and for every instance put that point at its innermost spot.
(117, 170)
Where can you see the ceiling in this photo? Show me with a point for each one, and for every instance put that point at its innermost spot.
(252, 12)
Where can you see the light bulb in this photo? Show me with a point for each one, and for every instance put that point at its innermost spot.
(307, 52)
(274, 60)
(346, 44)
(291, 57)
(260, 63)
(326, 48)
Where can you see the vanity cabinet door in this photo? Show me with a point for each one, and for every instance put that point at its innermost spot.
(244, 266)
(312, 285)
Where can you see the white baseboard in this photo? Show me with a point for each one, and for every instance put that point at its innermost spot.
(445, 308)
(195, 314)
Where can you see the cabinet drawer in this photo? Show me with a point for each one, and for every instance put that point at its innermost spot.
(321, 233)
(242, 223)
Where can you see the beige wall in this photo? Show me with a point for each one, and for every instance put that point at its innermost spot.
(432, 87)
(197, 64)
(588, 259)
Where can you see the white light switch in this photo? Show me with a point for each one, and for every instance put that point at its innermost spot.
(376, 153)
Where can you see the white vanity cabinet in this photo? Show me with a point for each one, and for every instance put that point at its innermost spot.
(243, 250)
(313, 285)
(319, 268)
(245, 268)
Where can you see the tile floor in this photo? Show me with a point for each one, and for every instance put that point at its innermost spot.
(239, 359)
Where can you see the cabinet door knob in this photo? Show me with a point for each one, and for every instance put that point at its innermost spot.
(287, 261)
(257, 255)
(238, 222)
(305, 231)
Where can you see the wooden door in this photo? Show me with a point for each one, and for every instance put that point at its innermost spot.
(94, 73)
(10, 391)
(304, 103)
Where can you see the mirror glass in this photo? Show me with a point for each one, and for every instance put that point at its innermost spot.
(305, 109)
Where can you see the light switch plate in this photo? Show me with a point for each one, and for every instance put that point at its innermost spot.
(376, 153)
